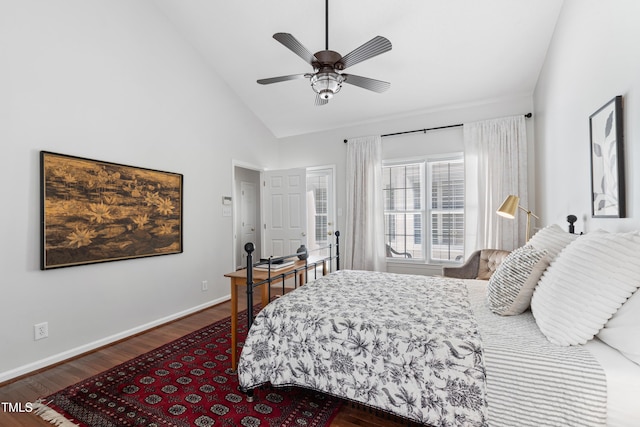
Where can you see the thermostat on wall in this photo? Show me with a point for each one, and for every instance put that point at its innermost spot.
(226, 200)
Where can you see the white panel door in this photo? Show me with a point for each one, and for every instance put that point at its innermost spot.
(285, 211)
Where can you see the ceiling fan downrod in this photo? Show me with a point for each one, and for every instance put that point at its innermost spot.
(326, 25)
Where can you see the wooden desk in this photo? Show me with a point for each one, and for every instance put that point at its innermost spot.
(239, 280)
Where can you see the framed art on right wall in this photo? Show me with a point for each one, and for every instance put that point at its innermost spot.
(607, 161)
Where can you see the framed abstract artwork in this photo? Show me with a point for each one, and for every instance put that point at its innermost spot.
(94, 211)
(607, 161)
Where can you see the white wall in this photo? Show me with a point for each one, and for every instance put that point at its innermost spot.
(110, 80)
(592, 58)
(328, 147)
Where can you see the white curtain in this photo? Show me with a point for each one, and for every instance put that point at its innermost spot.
(495, 166)
(364, 234)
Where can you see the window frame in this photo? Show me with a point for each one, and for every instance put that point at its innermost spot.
(452, 158)
(328, 171)
(426, 209)
(406, 162)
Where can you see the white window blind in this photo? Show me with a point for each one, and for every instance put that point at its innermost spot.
(318, 184)
(404, 210)
(409, 220)
(446, 210)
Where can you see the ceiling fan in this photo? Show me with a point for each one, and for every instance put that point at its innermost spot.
(326, 80)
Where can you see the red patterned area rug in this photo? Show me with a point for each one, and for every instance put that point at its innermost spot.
(188, 382)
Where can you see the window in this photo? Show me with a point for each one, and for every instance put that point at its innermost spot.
(318, 185)
(409, 220)
(446, 210)
(404, 209)
(320, 208)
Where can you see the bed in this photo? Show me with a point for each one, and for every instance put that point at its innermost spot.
(443, 351)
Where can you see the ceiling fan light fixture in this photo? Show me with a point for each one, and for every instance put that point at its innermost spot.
(326, 84)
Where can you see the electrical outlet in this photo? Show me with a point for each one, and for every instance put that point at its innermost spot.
(205, 285)
(41, 330)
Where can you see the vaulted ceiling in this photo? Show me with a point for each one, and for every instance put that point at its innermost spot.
(445, 53)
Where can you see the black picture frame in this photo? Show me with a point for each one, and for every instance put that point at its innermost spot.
(607, 161)
(94, 211)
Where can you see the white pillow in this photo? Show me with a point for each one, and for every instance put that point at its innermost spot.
(585, 285)
(553, 239)
(622, 331)
(511, 286)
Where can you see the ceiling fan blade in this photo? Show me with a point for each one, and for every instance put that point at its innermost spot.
(280, 79)
(373, 47)
(296, 47)
(321, 101)
(366, 83)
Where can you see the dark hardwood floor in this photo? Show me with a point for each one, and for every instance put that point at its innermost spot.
(52, 379)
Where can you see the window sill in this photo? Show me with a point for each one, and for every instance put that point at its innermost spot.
(419, 268)
(406, 261)
(423, 262)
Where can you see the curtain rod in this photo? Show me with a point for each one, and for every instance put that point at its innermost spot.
(528, 115)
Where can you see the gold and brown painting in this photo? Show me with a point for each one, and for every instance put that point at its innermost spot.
(94, 211)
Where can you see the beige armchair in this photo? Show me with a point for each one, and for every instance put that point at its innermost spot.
(480, 265)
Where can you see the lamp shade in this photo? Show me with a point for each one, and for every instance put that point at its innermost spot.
(509, 207)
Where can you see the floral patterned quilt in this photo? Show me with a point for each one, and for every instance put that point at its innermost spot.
(405, 344)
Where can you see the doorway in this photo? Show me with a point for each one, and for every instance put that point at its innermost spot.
(250, 217)
(247, 214)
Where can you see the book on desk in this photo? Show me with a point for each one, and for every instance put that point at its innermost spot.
(275, 266)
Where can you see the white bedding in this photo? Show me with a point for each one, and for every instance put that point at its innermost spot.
(532, 382)
(622, 379)
(529, 380)
(623, 385)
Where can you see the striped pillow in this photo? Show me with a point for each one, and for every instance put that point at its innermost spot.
(553, 239)
(511, 286)
(585, 285)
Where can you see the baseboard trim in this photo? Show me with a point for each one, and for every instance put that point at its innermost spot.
(77, 351)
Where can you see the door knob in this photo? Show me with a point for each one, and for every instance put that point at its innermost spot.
(329, 233)
(303, 234)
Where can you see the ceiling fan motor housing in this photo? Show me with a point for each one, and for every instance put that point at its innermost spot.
(326, 82)
(328, 59)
